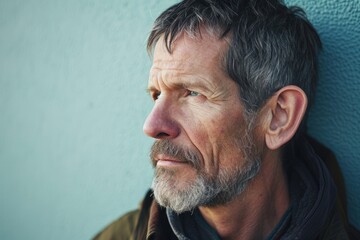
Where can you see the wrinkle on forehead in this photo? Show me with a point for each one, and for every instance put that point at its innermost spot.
(207, 48)
(194, 61)
(206, 43)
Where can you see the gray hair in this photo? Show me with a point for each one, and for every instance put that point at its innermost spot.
(270, 45)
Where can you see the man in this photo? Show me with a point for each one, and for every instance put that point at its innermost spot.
(231, 82)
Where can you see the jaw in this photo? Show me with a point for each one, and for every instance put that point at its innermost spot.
(254, 213)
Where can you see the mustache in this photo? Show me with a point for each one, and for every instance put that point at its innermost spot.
(168, 148)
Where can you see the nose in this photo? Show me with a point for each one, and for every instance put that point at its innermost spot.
(160, 123)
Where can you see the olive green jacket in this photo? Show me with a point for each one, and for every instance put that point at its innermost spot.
(150, 221)
(139, 225)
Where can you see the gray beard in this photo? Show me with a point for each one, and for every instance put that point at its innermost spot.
(204, 190)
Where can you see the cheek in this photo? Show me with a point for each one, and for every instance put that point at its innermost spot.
(229, 126)
(214, 132)
(223, 145)
(207, 129)
(230, 137)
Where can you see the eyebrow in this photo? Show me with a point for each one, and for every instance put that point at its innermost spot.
(150, 90)
(184, 83)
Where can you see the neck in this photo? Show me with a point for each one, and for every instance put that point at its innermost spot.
(255, 212)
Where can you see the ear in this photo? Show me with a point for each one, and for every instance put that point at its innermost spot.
(287, 109)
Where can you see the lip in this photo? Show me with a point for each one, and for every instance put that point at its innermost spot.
(168, 161)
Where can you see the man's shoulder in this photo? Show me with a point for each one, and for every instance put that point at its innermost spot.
(131, 225)
(120, 229)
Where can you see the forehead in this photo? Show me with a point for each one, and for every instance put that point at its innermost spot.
(203, 51)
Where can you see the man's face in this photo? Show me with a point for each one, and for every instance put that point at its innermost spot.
(203, 154)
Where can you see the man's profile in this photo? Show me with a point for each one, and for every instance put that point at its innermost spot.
(231, 83)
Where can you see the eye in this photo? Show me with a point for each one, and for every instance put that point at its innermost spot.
(193, 93)
(155, 95)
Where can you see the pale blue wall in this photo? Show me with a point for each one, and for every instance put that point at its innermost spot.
(73, 76)
(72, 102)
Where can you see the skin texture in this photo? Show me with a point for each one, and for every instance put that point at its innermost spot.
(197, 106)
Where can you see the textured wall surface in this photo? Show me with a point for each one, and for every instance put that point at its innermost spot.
(335, 117)
(72, 103)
